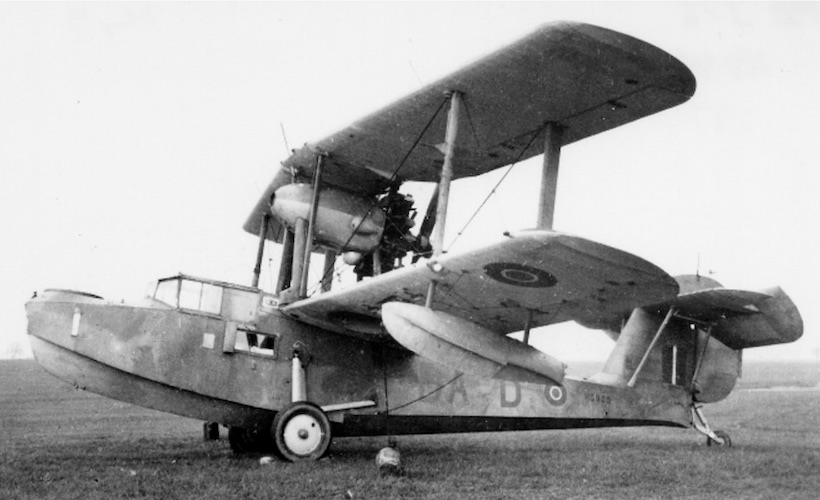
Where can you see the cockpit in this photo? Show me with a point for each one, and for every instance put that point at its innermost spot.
(226, 300)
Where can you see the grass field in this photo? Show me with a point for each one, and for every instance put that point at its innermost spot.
(61, 443)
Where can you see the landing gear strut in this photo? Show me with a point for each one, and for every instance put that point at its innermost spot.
(727, 441)
(713, 438)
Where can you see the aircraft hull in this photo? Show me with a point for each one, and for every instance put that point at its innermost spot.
(93, 376)
(178, 361)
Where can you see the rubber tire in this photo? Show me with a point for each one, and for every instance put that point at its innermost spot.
(313, 423)
(727, 441)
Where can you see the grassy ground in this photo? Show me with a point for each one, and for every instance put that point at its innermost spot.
(60, 443)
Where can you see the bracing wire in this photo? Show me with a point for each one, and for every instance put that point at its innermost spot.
(472, 125)
(429, 393)
(497, 184)
(395, 174)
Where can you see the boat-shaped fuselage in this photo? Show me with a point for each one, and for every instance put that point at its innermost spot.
(224, 353)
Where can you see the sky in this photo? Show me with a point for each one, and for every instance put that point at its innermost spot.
(135, 138)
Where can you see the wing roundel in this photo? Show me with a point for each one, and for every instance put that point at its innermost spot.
(543, 277)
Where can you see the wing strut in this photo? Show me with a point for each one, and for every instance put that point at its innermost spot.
(634, 378)
(446, 173)
(549, 180)
(327, 275)
(701, 354)
(450, 137)
(299, 245)
(286, 265)
(263, 235)
(314, 208)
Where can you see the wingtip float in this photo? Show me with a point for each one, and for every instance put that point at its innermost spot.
(286, 371)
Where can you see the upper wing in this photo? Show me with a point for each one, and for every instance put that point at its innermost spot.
(742, 319)
(556, 277)
(585, 78)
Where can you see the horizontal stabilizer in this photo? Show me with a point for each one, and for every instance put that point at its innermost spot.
(719, 303)
(742, 319)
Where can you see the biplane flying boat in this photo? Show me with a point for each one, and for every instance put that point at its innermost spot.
(420, 342)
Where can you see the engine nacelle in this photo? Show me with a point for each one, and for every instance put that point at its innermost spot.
(467, 347)
(344, 222)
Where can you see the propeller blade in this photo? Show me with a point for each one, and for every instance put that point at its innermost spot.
(426, 228)
(430, 217)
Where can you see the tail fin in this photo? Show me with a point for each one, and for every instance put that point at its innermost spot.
(701, 346)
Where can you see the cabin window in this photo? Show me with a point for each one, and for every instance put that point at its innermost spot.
(240, 305)
(200, 296)
(189, 294)
(253, 342)
(167, 291)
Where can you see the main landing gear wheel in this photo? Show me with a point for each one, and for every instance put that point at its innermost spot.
(301, 432)
(727, 441)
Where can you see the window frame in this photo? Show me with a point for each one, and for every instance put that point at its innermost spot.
(243, 332)
(210, 294)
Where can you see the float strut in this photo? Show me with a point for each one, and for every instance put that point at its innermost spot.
(528, 327)
(431, 293)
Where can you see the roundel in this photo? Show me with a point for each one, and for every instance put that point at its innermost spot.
(555, 395)
(514, 274)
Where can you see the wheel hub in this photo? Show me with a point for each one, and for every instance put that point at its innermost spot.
(302, 434)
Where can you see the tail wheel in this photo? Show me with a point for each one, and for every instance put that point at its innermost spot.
(301, 432)
(727, 441)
